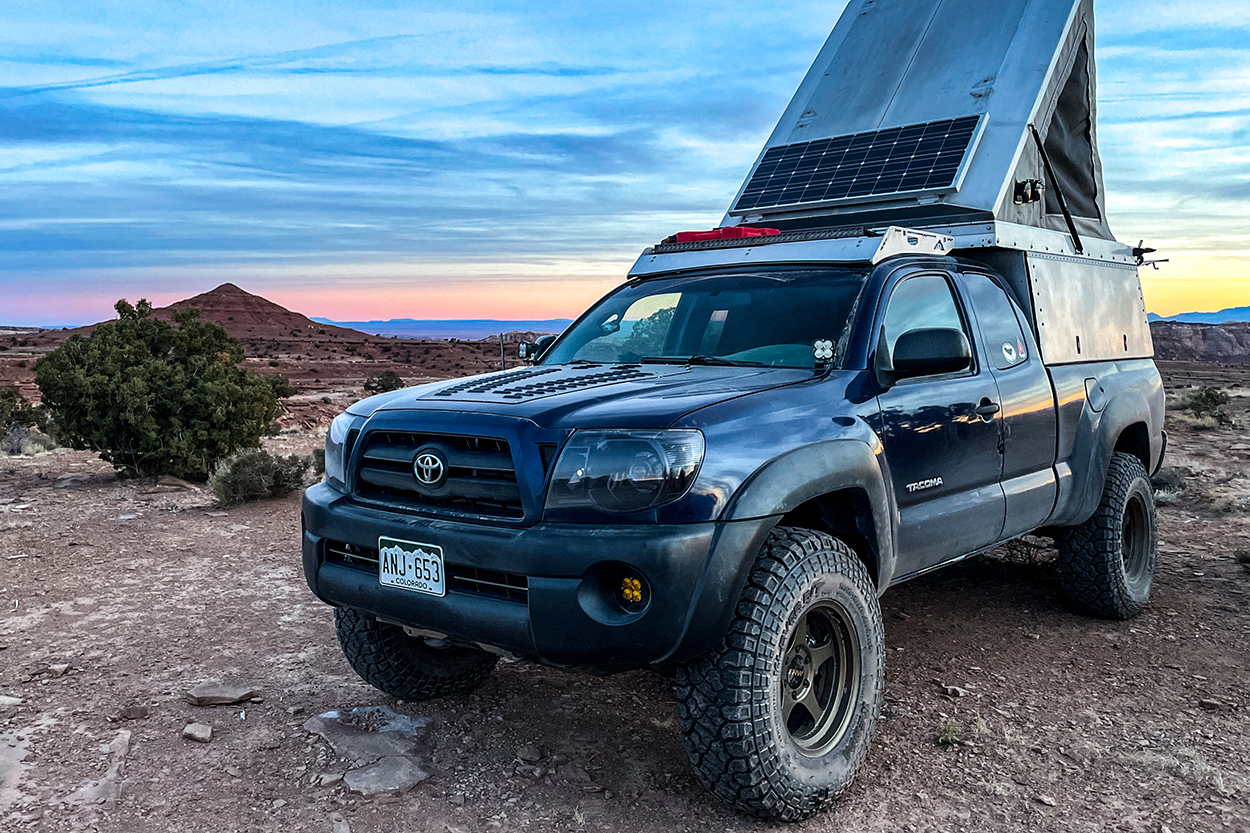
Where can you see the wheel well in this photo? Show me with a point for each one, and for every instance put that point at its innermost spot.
(846, 515)
(1135, 440)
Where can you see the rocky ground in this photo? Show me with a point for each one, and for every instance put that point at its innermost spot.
(117, 598)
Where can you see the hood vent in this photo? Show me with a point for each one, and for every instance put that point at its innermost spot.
(539, 382)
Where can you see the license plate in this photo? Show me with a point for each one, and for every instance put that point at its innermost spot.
(411, 566)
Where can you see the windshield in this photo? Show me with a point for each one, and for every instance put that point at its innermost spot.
(767, 318)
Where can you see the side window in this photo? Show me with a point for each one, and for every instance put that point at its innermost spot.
(921, 303)
(1004, 340)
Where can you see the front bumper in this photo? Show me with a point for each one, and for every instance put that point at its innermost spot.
(695, 574)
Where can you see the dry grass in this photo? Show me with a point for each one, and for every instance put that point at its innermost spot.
(949, 734)
(1191, 767)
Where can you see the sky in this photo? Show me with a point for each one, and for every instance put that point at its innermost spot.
(372, 159)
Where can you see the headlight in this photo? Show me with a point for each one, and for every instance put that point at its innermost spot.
(338, 447)
(625, 471)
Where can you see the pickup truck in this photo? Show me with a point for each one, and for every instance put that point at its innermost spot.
(715, 472)
(912, 338)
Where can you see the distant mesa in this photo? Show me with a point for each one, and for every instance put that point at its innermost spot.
(1182, 341)
(1222, 336)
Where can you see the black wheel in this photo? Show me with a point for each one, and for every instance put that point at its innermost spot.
(407, 667)
(777, 719)
(1107, 564)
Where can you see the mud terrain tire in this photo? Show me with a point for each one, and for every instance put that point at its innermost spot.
(1107, 564)
(406, 667)
(806, 637)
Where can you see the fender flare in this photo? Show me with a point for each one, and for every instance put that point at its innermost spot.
(1095, 442)
(790, 480)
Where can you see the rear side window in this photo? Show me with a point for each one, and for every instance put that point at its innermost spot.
(1004, 340)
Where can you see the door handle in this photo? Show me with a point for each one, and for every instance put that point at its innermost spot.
(987, 409)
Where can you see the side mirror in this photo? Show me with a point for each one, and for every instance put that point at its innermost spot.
(529, 351)
(931, 352)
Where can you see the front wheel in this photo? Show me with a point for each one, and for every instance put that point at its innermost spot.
(1107, 564)
(407, 667)
(777, 719)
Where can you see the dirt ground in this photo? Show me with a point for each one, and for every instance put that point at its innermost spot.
(115, 596)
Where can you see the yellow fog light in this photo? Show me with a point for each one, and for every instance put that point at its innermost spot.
(632, 593)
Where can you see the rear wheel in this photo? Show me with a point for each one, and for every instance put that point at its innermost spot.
(1107, 564)
(777, 720)
(407, 667)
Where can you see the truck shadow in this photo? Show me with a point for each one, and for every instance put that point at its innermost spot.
(608, 743)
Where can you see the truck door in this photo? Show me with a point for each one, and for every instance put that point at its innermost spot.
(1028, 415)
(941, 435)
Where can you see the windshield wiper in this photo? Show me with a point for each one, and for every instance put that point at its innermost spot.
(713, 361)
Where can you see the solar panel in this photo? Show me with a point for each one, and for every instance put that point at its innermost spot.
(900, 160)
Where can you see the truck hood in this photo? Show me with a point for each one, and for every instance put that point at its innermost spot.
(588, 396)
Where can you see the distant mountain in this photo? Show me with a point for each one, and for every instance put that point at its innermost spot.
(467, 329)
(262, 326)
(1224, 316)
(245, 315)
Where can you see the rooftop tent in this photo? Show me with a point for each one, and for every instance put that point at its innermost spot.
(924, 111)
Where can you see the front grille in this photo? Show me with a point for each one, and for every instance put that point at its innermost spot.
(472, 581)
(510, 586)
(481, 477)
(352, 555)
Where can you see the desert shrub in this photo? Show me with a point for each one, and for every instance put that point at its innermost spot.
(1209, 402)
(1235, 505)
(154, 398)
(26, 440)
(16, 410)
(1169, 477)
(255, 474)
(387, 380)
(319, 461)
(282, 387)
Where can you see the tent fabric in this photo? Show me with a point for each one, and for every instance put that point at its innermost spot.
(1019, 65)
(1069, 146)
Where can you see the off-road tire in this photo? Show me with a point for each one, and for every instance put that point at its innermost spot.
(1107, 564)
(406, 667)
(730, 701)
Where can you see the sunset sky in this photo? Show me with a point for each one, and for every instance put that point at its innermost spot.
(381, 159)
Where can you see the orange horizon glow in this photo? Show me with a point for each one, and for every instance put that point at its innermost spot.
(1197, 283)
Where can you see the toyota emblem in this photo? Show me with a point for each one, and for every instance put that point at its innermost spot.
(429, 468)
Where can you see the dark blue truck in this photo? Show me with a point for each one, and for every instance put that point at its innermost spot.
(717, 470)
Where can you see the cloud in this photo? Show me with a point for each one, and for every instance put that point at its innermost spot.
(308, 145)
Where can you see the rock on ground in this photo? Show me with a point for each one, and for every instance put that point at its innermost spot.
(198, 732)
(216, 694)
(388, 775)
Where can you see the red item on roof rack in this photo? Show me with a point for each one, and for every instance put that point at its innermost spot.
(731, 233)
